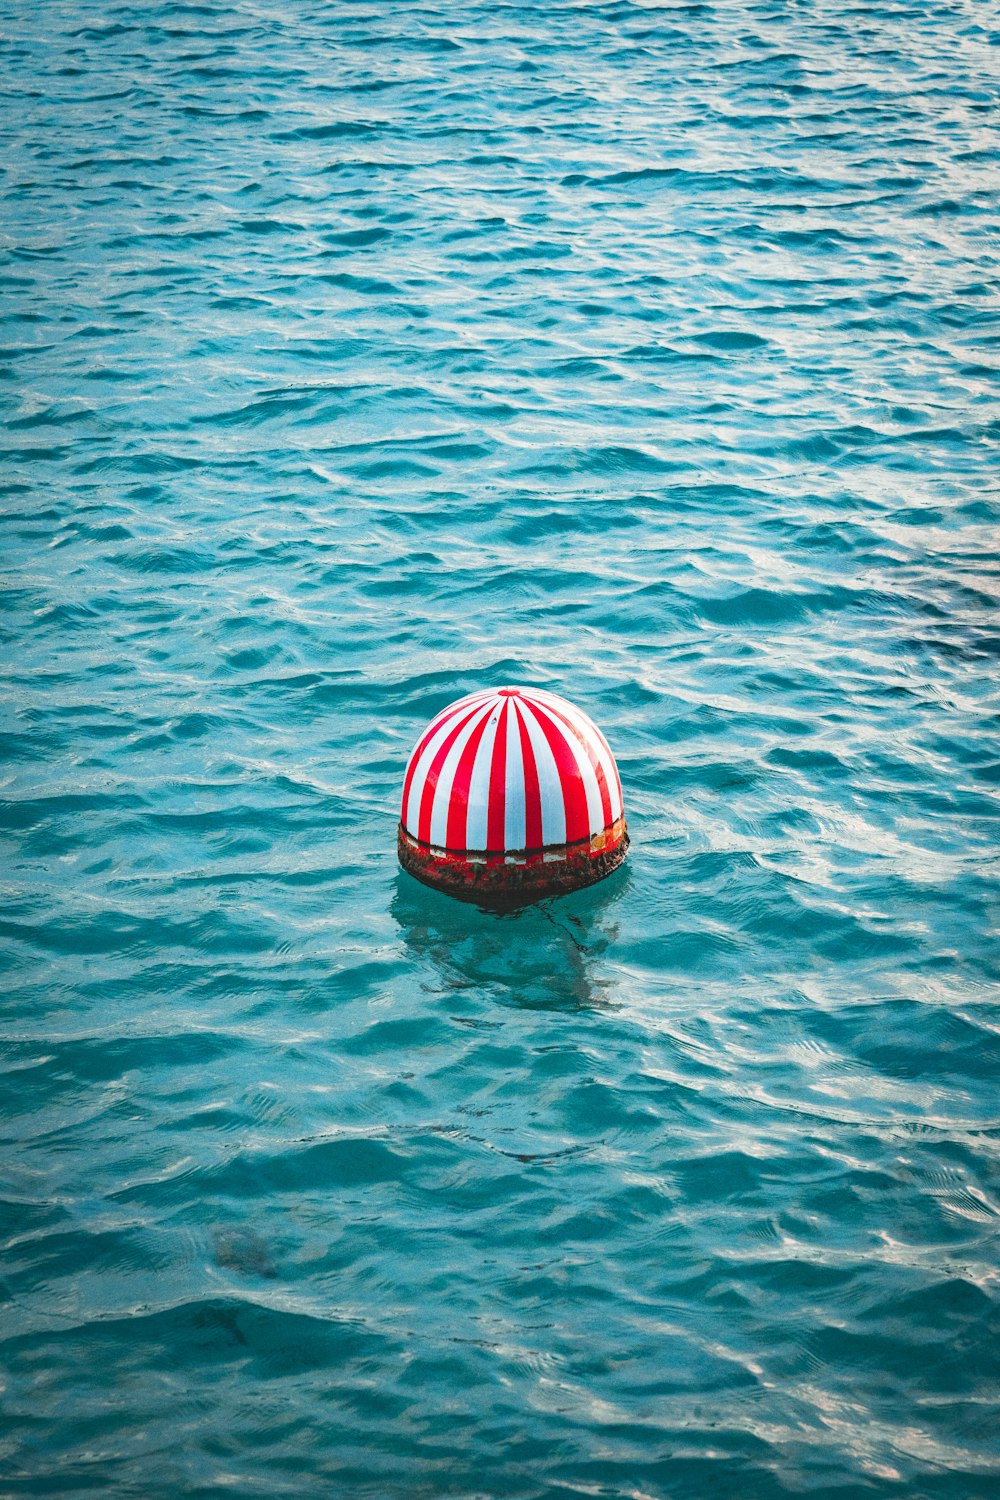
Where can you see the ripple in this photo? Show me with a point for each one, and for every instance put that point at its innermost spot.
(644, 355)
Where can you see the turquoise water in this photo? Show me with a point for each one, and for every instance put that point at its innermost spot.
(356, 357)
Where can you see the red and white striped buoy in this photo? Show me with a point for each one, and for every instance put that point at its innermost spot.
(511, 794)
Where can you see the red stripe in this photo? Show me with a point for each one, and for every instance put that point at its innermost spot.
(418, 751)
(532, 792)
(581, 738)
(456, 836)
(574, 793)
(600, 778)
(430, 784)
(498, 784)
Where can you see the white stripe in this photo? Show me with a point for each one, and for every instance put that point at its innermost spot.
(583, 763)
(479, 785)
(446, 776)
(596, 740)
(513, 826)
(549, 784)
(599, 744)
(411, 813)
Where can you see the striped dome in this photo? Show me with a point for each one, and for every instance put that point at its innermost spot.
(510, 769)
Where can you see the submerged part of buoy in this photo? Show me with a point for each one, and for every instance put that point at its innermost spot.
(511, 794)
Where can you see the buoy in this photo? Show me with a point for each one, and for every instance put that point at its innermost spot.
(511, 794)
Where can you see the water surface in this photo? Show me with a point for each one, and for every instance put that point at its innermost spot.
(358, 356)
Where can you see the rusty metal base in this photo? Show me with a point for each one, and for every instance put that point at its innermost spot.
(506, 881)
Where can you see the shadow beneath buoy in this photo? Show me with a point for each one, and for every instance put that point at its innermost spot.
(542, 956)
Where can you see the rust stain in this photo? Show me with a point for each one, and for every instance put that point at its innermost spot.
(514, 878)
